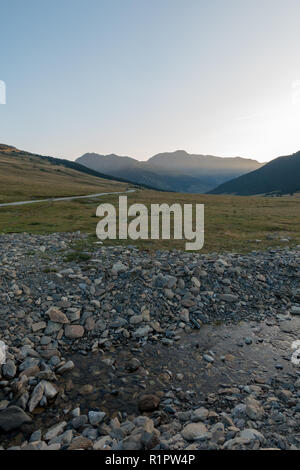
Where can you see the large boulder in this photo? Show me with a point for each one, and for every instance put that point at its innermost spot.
(12, 418)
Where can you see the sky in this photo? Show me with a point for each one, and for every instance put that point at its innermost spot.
(139, 77)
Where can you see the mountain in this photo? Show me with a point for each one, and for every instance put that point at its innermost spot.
(181, 160)
(172, 171)
(25, 175)
(281, 176)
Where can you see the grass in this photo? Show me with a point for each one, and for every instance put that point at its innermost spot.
(79, 251)
(232, 223)
(24, 178)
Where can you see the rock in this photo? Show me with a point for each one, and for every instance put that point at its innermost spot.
(65, 367)
(86, 389)
(52, 328)
(194, 432)
(136, 319)
(184, 315)
(79, 421)
(200, 414)
(75, 412)
(48, 353)
(63, 439)
(37, 445)
(148, 403)
(80, 443)
(38, 326)
(253, 409)
(150, 437)
(156, 327)
(50, 390)
(239, 411)
(138, 331)
(36, 396)
(9, 369)
(218, 433)
(143, 331)
(103, 443)
(295, 310)
(119, 268)
(89, 324)
(208, 358)
(196, 282)
(56, 446)
(133, 442)
(250, 435)
(55, 431)
(95, 417)
(57, 316)
(237, 443)
(36, 436)
(297, 383)
(12, 418)
(74, 331)
(74, 314)
(229, 297)
(133, 364)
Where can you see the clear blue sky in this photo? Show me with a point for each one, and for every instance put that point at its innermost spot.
(136, 77)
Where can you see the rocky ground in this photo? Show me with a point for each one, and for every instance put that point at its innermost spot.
(124, 349)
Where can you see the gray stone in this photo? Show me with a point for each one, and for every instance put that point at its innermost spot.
(12, 418)
(95, 417)
(194, 432)
(9, 369)
(36, 396)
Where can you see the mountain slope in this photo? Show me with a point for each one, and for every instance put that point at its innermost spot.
(174, 171)
(281, 175)
(183, 161)
(25, 176)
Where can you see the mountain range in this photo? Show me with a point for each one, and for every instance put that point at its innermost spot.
(279, 176)
(172, 171)
(22, 173)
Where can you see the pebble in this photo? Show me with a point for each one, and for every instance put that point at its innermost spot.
(132, 299)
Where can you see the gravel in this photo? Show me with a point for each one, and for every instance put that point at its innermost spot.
(52, 309)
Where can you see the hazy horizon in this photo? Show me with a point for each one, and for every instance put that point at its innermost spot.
(147, 157)
(139, 78)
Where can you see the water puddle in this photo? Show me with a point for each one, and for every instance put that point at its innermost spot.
(243, 354)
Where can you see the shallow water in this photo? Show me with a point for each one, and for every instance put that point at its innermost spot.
(113, 388)
(116, 389)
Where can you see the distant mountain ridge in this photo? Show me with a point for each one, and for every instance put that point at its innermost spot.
(281, 176)
(172, 171)
(13, 151)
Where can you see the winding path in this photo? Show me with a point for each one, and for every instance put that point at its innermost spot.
(69, 198)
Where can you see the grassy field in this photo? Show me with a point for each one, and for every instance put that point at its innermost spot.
(23, 178)
(231, 223)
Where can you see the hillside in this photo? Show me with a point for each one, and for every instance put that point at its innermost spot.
(28, 176)
(173, 171)
(183, 161)
(280, 176)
